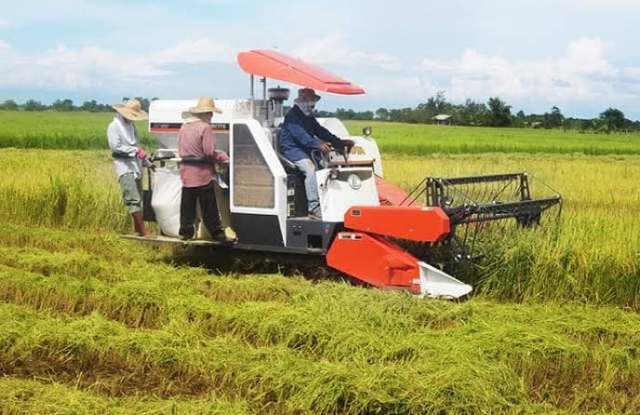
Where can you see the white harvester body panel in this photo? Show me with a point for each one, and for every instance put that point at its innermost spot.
(334, 125)
(258, 180)
(344, 187)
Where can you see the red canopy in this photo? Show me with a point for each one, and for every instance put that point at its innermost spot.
(276, 65)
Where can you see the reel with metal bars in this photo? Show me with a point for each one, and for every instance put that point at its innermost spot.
(482, 210)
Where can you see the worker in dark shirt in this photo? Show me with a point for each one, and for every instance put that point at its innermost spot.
(300, 136)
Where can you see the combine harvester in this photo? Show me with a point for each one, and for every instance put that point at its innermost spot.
(371, 231)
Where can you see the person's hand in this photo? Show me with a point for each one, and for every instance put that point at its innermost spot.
(141, 153)
(221, 157)
(348, 144)
(325, 147)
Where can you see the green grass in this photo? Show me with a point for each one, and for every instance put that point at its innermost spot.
(51, 130)
(70, 326)
(418, 140)
(59, 130)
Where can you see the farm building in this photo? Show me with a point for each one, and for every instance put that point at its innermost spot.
(442, 119)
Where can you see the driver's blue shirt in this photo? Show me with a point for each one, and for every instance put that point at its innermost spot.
(297, 135)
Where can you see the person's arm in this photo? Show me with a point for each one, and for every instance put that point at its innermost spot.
(208, 143)
(302, 137)
(324, 134)
(117, 144)
(209, 147)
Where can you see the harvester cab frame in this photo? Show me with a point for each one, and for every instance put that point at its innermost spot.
(367, 227)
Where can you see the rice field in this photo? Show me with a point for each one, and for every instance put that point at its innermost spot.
(592, 254)
(83, 130)
(58, 130)
(418, 140)
(90, 323)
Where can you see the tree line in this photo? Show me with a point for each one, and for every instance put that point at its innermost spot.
(67, 105)
(494, 113)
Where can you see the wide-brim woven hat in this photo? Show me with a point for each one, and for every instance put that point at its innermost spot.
(204, 105)
(308, 94)
(131, 110)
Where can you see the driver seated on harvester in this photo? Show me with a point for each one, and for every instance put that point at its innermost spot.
(298, 141)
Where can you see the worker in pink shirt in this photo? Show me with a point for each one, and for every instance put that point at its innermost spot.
(197, 149)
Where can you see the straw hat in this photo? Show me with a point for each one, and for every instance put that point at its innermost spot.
(308, 94)
(131, 110)
(205, 104)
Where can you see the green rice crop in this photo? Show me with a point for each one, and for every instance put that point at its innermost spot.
(20, 396)
(59, 130)
(80, 130)
(295, 347)
(591, 257)
(420, 140)
(592, 254)
(62, 188)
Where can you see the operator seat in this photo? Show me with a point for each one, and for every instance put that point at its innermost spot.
(296, 194)
(288, 165)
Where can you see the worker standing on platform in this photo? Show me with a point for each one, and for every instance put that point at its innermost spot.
(128, 156)
(197, 149)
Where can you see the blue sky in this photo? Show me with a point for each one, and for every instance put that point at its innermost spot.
(581, 55)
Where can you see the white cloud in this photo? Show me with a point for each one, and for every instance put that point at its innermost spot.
(334, 49)
(86, 67)
(586, 56)
(194, 51)
(583, 73)
(632, 72)
(400, 88)
(3, 23)
(601, 5)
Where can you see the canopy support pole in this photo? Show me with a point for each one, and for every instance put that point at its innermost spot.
(252, 95)
(264, 99)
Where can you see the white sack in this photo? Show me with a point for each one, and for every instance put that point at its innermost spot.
(166, 198)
